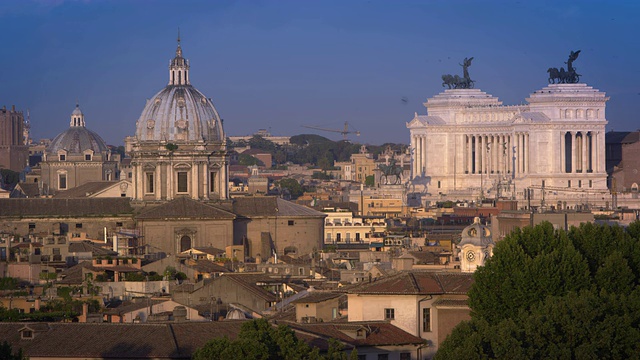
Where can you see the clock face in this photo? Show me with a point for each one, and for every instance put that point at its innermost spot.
(471, 256)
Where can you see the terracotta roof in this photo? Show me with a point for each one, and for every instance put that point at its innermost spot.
(184, 207)
(378, 333)
(316, 297)
(43, 207)
(88, 246)
(451, 303)
(210, 250)
(208, 266)
(74, 274)
(85, 190)
(118, 341)
(257, 206)
(29, 190)
(417, 283)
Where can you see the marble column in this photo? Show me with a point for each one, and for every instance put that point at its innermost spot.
(563, 152)
(573, 152)
(527, 152)
(584, 152)
(469, 154)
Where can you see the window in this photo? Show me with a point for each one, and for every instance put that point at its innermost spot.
(568, 183)
(426, 319)
(32, 226)
(290, 222)
(182, 182)
(27, 334)
(62, 181)
(130, 175)
(87, 157)
(62, 157)
(334, 313)
(389, 314)
(383, 356)
(405, 356)
(579, 183)
(438, 184)
(150, 183)
(590, 183)
(118, 224)
(357, 236)
(543, 183)
(78, 225)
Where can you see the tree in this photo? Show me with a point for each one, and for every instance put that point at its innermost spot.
(292, 185)
(248, 160)
(369, 181)
(6, 352)
(259, 340)
(548, 293)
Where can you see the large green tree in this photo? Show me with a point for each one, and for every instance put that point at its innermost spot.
(548, 293)
(259, 340)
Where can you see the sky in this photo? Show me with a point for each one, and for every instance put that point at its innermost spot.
(279, 64)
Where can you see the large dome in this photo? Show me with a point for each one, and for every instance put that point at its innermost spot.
(179, 112)
(77, 138)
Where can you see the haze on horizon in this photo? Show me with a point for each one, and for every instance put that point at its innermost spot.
(282, 64)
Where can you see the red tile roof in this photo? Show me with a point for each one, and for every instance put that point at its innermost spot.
(417, 283)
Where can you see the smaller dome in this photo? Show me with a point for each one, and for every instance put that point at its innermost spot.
(77, 138)
(476, 234)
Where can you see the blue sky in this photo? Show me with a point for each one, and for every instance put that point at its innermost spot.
(283, 64)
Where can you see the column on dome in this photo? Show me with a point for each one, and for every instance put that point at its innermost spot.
(194, 180)
(157, 186)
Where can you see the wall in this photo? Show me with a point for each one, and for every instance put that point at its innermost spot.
(162, 234)
(371, 307)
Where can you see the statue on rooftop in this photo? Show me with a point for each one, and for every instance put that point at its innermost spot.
(457, 82)
(570, 76)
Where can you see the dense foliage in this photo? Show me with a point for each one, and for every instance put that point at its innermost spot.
(7, 353)
(259, 340)
(9, 178)
(555, 294)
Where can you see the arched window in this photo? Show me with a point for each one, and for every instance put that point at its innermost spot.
(185, 243)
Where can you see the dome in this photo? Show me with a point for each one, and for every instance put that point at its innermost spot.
(77, 138)
(179, 112)
(476, 234)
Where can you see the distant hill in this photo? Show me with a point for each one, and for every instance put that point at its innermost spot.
(314, 149)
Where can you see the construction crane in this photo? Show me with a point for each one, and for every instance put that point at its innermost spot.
(345, 131)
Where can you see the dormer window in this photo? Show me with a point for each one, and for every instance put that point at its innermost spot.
(62, 157)
(26, 334)
(87, 157)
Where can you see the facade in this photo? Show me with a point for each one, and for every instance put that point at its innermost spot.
(14, 152)
(341, 227)
(179, 148)
(470, 144)
(77, 156)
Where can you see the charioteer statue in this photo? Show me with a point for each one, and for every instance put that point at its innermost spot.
(457, 82)
(570, 76)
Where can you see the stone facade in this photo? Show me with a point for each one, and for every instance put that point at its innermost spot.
(13, 151)
(471, 145)
(179, 148)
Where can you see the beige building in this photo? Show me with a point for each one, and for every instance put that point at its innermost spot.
(424, 304)
(77, 156)
(268, 225)
(363, 165)
(182, 224)
(342, 227)
(179, 148)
